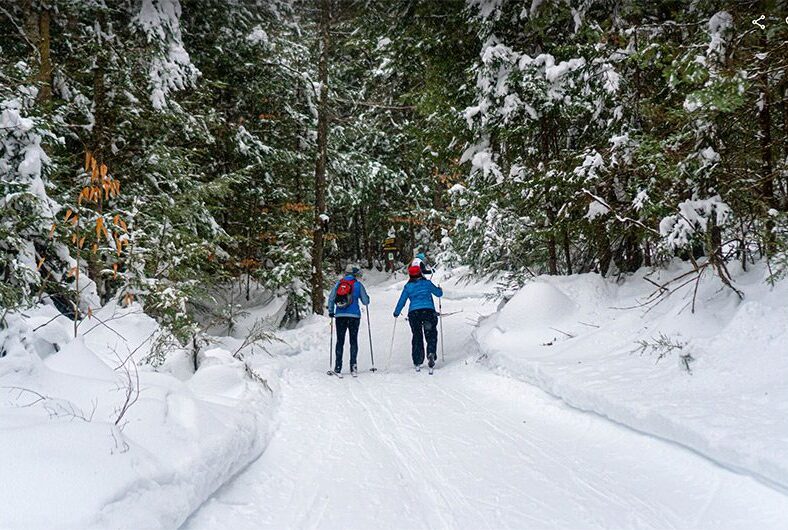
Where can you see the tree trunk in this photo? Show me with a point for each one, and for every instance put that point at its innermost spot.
(367, 241)
(784, 180)
(320, 163)
(99, 138)
(99, 144)
(552, 252)
(567, 250)
(45, 63)
(412, 235)
(604, 254)
(629, 256)
(357, 236)
(767, 161)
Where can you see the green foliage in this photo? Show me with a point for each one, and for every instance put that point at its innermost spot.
(608, 139)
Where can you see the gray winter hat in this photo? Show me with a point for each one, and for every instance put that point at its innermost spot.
(353, 268)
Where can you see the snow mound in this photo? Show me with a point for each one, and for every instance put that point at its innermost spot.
(716, 385)
(77, 460)
(538, 304)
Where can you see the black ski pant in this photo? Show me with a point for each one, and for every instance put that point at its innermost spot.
(343, 325)
(423, 325)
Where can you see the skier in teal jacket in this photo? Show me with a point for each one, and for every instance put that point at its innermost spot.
(422, 316)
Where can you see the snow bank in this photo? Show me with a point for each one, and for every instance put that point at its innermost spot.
(70, 463)
(572, 337)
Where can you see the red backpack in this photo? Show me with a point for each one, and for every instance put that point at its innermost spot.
(344, 297)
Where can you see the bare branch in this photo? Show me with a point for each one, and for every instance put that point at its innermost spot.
(21, 32)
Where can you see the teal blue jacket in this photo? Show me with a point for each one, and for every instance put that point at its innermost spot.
(420, 292)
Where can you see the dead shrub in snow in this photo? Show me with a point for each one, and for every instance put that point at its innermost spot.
(130, 387)
(663, 345)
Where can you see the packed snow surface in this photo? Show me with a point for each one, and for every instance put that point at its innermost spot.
(471, 447)
(514, 429)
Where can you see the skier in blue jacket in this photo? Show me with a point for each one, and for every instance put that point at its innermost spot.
(348, 317)
(422, 316)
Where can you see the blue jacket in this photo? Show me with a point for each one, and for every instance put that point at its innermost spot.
(419, 292)
(353, 310)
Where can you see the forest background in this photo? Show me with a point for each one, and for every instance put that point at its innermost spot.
(155, 150)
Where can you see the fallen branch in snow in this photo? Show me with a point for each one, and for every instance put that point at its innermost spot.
(256, 334)
(664, 290)
(564, 332)
(131, 388)
(55, 407)
(102, 323)
(257, 377)
(47, 322)
(135, 350)
(110, 319)
(655, 284)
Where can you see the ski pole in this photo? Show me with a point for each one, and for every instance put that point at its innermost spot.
(331, 348)
(391, 350)
(371, 355)
(440, 322)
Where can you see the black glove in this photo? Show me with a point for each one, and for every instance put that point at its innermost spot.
(331, 315)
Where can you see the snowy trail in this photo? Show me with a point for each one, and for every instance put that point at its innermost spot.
(464, 448)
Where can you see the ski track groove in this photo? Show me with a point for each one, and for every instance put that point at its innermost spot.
(394, 447)
(537, 447)
(415, 448)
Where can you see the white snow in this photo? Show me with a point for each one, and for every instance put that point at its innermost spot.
(71, 466)
(591, 163)
(258, 36)
(171, 70)
(472, 448)
(693, 217)
(553, 72)
(483, 443)
(484, 161)
(596, 209)
(486, 8)
(719, 25)
(468, 447)
(571, 337)
(383, 43)
(709, 155)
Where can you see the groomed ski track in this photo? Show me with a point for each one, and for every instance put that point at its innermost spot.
(464, 448)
